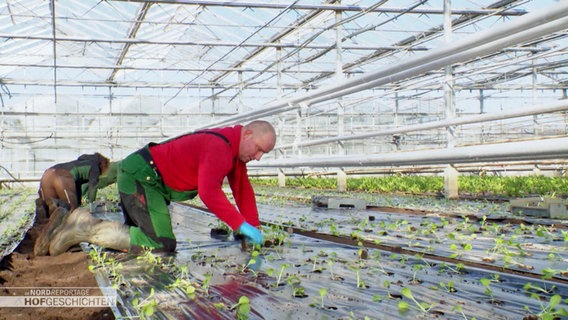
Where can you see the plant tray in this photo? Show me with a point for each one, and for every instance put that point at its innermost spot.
(540, 207)
(339, 202)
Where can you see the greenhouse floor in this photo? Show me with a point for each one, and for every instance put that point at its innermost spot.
(440, 260)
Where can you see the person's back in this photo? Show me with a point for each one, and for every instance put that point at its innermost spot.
(63, 180)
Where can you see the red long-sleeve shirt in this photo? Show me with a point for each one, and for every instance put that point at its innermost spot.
(201, 162)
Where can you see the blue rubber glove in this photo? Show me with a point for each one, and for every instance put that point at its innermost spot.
(252, 233)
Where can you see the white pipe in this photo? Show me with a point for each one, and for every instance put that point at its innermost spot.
(556, 106)
(392, 75)
(556, 148)
(535, 20)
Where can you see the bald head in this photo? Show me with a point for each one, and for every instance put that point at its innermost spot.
(257, 138)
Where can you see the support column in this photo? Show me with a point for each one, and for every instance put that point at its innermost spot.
(281, 178)
(450, 173)
(341, 175)
(451, 182)
(281, 120)
(341, 180)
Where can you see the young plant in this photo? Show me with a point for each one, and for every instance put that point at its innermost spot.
(252, 262)
(444, 266)
(528, 287)
(322, 293)
(108, 264)
(387, 285)
(242, 307)
(333, 229)
(185, 285)
(360, 282)
(145, 307)
(458, 251)
(297, 290)
(206, 283)
(486, 284)
(459, 309)
(449, 286)
(403, 305)
(549, 311)
(282, 268)
(415, 269)
(151, 259)
(377, 258)
(330, 265)
(315, 267)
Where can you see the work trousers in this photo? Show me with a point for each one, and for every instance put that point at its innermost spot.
(145, 199)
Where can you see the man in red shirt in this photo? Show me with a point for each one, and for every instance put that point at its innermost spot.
(175, 170)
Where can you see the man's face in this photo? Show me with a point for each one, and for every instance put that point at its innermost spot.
(253, 147)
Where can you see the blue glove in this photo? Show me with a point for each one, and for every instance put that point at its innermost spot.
(252, 233)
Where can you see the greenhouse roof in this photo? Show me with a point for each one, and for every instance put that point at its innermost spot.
(283, 45)
(109, 76)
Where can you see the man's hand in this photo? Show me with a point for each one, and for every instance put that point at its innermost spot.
(252, 233)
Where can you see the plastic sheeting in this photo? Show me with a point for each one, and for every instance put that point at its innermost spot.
(307, 278)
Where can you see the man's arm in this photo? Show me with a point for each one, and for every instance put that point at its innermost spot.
(244, 193)
(211, 173)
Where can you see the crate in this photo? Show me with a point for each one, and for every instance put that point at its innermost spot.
(339, 203)
(540, 207)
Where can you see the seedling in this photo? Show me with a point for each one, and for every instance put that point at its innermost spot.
(334, 230)
(297, 290)
(458, 251)
(528, 287)
(549, 273)
(149, 258)
(486, 284)
(330, 265)
(108, 264)
(282, 268)
(316, 268)
(449, 286)
(206, 283)
(459, 309)
(415, 269)
(185, 285)
(182, 271)
(549, 311)
(422, 306)
(360, 282)
(377, 257)
(251, 262)
(387, 285)
(146, 307)
(242, 307)
(322, 293)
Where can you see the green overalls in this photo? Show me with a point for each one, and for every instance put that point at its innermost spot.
(145, 199)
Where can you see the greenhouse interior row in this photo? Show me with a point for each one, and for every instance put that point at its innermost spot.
(410, 159)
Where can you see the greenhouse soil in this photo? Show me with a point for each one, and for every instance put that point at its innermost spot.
(69, 270)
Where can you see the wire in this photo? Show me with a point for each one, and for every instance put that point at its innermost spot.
(4, 89)
(11, 175)
(28, 142)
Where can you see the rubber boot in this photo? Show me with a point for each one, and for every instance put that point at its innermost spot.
(111, 234)
(41, 212)
(75, 229)
(81, 226)
(56, 222)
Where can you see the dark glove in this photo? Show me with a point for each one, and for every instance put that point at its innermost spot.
(252, 233)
